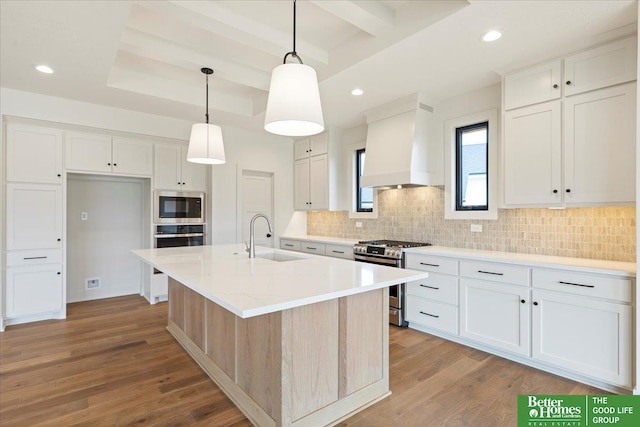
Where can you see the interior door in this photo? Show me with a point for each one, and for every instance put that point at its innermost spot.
(257, 197)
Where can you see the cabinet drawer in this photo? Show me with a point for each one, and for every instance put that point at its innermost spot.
(432, 314)
(496, 272)
(593, 285)
(437, 287)
(432, 263)
(290, 245)
(312, 248)
(39, 256)
(339, 251)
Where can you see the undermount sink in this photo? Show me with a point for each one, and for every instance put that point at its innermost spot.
(278, 257)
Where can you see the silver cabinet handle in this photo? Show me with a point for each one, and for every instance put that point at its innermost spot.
(490, 272)
(427, 314)
(430, 287)
(313, 249)
(577, 284)
(35, 257)
(288, 245)
(338, 252)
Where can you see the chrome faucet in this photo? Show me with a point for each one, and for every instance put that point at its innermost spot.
(252, 243)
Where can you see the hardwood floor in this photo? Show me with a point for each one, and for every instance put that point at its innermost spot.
(112, 363)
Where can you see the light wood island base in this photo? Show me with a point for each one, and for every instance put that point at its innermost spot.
(307, 366)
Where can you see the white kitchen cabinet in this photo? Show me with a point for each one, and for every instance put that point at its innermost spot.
(301, 184)
(314, 145)
(533, 85)
(495, 314)
(588, 336)
(290, 245)
(312, 183)
(312, 248)
(600, 146)
(34, 290)
(533, 155)
(339, 251)
(105, 154)
(34, 216)
(34, 154)
(603, 66)
(172, 171)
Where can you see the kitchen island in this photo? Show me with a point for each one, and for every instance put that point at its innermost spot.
(292, 339)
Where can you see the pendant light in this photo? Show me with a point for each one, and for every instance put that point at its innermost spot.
(293, 107)
(205, 143)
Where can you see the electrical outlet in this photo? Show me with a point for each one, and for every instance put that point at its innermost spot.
(358, 224)
(93, 283)
(84, 216)
(476, 228)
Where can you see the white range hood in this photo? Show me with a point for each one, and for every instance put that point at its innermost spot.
(397, 149)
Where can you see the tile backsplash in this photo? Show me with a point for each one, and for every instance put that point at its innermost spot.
(417, 214)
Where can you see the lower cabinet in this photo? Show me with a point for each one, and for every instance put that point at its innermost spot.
(34, 290)
(495, 314)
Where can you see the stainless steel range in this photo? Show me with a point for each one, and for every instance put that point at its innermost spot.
(390, 253)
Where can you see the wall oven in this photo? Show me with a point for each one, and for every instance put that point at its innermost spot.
(171, 236)
(389, 253)
(178, 207)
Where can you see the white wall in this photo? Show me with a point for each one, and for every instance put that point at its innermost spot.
(100, 246)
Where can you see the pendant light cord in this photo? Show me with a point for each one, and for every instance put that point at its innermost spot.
(206, 113)
(294, 54)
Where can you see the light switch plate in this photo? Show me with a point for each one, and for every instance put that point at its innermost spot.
(84, 216)
(358, 224)
(476, 228)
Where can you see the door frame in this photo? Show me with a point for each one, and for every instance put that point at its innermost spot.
(240, 173)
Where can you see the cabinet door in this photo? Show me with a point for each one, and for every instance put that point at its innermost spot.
(34, 216)
(600, 145)
(167, 171)
(533, 155)
(319, 182)
(34, 154)
(301, 185)
(88, 152)
(495, 314)
(194, 175)
(319, 144)
(301, 149)
(584, 335)
(34, 290)
(132, 157)
(533, 85)
(603, 66)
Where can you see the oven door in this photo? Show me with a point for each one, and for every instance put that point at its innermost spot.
(395, 291)
(176, 240)
(172, 207)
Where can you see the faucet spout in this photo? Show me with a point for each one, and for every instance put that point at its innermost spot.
(252, 243)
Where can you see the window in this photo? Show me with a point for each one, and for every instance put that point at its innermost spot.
(472, 155)
(471, 166)
(364, 196)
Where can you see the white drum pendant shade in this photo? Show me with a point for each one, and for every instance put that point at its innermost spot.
(293, 107)
(205, 144)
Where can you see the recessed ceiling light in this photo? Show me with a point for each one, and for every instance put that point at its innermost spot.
(491, 36)
(44, 69)
(357, 92)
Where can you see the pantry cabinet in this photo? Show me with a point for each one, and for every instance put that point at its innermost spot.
(105, 154)
(172, 171)
(34, 216)
(34, 154)
(34, 290)
(314, 145)
(578, 148)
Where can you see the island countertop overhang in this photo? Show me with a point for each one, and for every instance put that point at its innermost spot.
(250, 287)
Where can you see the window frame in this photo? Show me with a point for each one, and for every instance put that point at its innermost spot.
(451, 181)
(458, 194)
(350, 150)
(357, 189)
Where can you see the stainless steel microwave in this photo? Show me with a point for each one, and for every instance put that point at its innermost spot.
(178, 207)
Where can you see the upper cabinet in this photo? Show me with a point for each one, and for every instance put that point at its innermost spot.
(174, 172)
(603, 66)
(533, 85)
(315, 182)
(34, 154)
(577, 149)
(105, 154)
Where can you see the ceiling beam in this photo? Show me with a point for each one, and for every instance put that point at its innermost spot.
(215, 18)
(161, 50)
(370, 16)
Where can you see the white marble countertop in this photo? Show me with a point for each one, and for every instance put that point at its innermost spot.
(251, 287)
(627, 269)
(322, 239)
